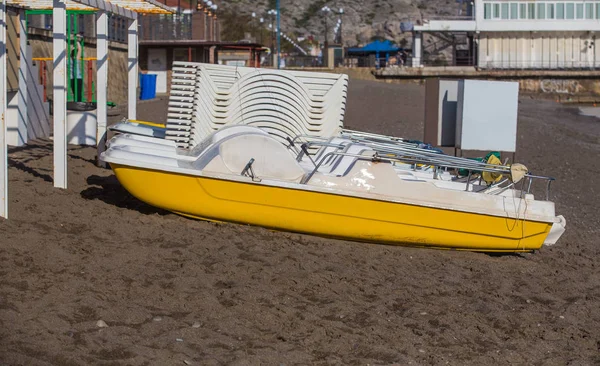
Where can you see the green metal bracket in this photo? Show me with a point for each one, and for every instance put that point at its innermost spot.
(72, 31)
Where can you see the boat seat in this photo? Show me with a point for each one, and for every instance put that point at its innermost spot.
(143, 155)
(231, 155)
(362, 176)
(155, 140)
(339, 165)
(129, 140)
(138, 129)
(222, 134)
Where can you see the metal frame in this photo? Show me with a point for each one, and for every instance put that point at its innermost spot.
(375, 157)
(124, 8)
(396, 150)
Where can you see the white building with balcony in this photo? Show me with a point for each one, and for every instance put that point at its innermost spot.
(521, 34)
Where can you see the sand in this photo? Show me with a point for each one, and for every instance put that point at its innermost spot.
(174, 291)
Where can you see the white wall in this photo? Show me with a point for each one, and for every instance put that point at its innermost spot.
(547, 50)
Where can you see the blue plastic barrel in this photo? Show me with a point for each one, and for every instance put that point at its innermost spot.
(147, 86)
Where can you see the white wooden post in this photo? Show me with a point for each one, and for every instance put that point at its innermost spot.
(3, 149)
(132, 67)
(102, 80)
(59, 42)
(22, 119)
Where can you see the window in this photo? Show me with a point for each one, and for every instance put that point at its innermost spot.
(589, 10)
(523, 11)
(504, 10)
(597, 10)
(550, 9)
(496, 11)
(570, 11)
(560, 11)
(530, 11)
(514, 11)
(487, 11)
(541, 10)
(579, 9)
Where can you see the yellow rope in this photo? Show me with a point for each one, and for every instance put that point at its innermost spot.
(153, 124)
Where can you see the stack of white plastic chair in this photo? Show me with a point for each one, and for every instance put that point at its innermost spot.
(180, 116)
(207, 97)
(283, 103)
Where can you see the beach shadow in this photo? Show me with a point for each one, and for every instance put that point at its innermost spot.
(20, 166)
(504, 255)
(28, 153)
(44, 146)
(109, 190)
(77, 157)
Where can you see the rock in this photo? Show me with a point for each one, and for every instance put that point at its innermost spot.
(101, 324)
(157, 319)
(196, 325)
(179, 339)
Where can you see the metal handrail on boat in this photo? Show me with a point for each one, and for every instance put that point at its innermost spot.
(304, 148)
(378, 158)
(398, 150)
(346, 131)
(415, 156)
(531, 177)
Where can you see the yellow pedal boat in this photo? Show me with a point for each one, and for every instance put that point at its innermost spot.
(245, 176)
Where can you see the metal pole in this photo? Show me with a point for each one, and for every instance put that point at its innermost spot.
(341, 30)
(278, 34)
(90, 80)
(272, 40)
(178, 20)
(326, 45)
(205, 25)
(101, 80)
(132, 67)
(3, 148)
(261, 29)
(215, 28)
(76, 61)
(59, 48)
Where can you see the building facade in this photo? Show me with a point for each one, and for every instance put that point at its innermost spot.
(541, 34)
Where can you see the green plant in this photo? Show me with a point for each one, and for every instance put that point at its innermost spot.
(369, 17)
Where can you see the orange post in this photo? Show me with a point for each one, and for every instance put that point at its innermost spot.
(90, 80)
(43, 70)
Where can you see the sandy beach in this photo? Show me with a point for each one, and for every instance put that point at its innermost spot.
(175, 291)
